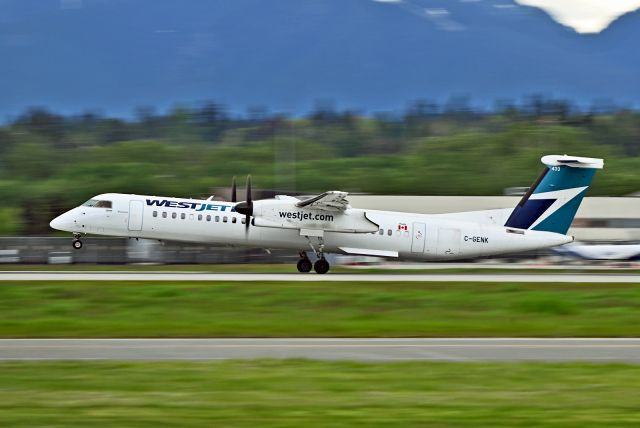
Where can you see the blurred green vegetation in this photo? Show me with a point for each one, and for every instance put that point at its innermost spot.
(288, 268)
(54, 162)
(10, 223)
(320, 309)
(295, 393)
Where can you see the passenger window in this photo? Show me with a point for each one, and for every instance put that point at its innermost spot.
(155, 213)
(389, 232)
(174, 215)
(244, 220)
(164, 214)
(217, 218)
(381, 231)
(224, 219)
(183, 216)
(233, 219)
(208, 218)
(199, 217)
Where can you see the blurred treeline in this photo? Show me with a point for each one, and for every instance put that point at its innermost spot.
(50, 162)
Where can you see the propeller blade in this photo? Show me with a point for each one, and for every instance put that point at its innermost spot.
(233, 190)
(250, 206)
(246, 207)
(249, 190)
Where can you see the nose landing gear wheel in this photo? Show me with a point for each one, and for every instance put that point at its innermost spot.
(77, 244)
(304, 265)
(321, 266)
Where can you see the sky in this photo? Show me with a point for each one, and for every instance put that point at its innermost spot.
(113, 55)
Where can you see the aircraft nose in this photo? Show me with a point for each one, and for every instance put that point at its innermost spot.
(62, 222)
(56, 223)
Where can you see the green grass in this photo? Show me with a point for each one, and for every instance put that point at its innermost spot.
(290, 268)
(222, 268)
(297, 393)
(358, 309)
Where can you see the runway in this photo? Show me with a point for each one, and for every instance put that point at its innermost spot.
(297, 277)
(496, 349)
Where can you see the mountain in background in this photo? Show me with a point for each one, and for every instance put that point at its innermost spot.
(115, 55)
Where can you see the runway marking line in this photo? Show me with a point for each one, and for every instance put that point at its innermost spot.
(309, 346)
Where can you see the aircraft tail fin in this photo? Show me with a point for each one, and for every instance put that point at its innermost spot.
(552, 201)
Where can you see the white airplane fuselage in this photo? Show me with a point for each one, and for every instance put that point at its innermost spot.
(326, 223)
(278, 223)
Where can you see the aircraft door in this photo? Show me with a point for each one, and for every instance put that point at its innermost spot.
(136, 210)
(448, 242)
(417, 244)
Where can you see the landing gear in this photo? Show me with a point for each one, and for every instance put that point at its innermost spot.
(304, 264)
(77, 243)
(321, 266)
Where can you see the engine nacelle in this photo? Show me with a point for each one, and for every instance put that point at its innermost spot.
(284, 214)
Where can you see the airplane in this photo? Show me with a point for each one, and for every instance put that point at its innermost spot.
(326, 223)
(610, 252)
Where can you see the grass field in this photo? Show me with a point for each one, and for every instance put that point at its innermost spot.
(290, 268)
(221, 268)
(358, 309)
(296, 393)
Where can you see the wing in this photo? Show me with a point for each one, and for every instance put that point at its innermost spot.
(328, 201)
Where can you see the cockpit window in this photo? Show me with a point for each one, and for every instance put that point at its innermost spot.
(97, 203)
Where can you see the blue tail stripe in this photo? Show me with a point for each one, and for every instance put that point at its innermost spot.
(554, 179)
(565, 177)
(561, 220)
(524, 216)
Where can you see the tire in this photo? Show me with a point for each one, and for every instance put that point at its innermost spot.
(304, 265)
(321, 266)
(77, 244)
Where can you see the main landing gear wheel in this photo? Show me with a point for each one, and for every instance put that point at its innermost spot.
(304, 265)
(77, 244)
(321, 266)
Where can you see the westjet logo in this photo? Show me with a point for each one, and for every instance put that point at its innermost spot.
(197, 206)
(300, 216)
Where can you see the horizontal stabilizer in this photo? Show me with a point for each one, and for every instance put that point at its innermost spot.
(573, 161)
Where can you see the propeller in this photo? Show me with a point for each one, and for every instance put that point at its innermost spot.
(246, 207)
(233, 190)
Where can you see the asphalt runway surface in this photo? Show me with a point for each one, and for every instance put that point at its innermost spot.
(297, 277)
(496, 349)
